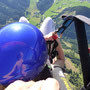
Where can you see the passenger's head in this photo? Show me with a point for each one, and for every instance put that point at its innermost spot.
(47, 26)
(23, 52)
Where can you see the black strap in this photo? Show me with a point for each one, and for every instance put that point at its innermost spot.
(52, 52)
(44, 74)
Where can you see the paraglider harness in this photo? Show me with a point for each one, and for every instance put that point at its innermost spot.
(79, 21)
(52, 51)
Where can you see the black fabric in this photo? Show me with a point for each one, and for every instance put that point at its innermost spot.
(44, 74)
(52, 52)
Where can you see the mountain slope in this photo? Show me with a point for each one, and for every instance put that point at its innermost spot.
(44, 5)
(54, 9)
(60, 5)
(12, 10)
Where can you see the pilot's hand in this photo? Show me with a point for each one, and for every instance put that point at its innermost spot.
(48, 84)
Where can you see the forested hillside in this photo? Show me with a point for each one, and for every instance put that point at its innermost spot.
(11, 10)
(44, 5)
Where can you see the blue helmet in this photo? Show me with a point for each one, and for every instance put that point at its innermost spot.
(23, 52)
